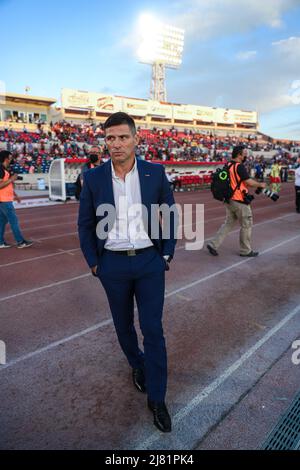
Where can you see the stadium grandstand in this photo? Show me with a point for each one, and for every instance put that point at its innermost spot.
(186, 138)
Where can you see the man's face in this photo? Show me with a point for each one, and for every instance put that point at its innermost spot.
(96, 151)
(121, 143)
(7, 161)
(244, 155)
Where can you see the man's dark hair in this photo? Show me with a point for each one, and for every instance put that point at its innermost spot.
(238, 150)
(4, 154)
(117, 119)
(93, 158)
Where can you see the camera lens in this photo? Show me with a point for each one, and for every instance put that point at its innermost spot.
(275, 197)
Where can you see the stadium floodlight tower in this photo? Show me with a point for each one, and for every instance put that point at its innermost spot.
(161, 46)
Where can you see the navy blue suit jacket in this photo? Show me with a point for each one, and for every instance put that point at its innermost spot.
(98, 189)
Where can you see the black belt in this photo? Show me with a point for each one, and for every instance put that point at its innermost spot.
(129, 252)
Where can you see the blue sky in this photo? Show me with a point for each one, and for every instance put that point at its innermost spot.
(241, 54)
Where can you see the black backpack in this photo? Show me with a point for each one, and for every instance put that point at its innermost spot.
(220, 185)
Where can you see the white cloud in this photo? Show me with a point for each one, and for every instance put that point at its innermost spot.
(205, 19)
(289, 48)
(246, 55)
(264, 84)
(287, 43)
(259, 78)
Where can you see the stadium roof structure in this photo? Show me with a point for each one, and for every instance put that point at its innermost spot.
(28, 99)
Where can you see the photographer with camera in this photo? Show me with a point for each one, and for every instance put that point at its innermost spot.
(7, 196)
(238, 208)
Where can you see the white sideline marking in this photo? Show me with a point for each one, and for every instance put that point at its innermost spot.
(57, 343)
(221, 379)
(48, 286)
(181, 247)
(28, 220)
(235, 265)
(61, 252)
(37, 203)
(178, 248)
(38, 219)
(29, 203)
(54, 236)
(107, 322)
(66, 281)
(253, 208)
(75, 233)
(48, 226)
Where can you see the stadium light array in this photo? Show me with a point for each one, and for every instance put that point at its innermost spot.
(161, 46)
(160, 43)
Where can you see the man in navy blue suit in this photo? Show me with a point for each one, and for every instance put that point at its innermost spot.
(130, 252)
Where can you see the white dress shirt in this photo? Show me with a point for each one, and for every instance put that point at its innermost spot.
(128, 232)
(297, 176)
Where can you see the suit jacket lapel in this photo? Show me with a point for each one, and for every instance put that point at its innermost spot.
(109, 193)
(145, 181)
(145, 184)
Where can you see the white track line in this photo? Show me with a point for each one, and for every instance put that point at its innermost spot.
(58, 343)
(41, 210)
(74, 221)
(108, 322)
(215, 207)
(222, 217)
(260, 208)
(221, 379)
(74, 233)
(222, 271)
(52, 237)
(61, 252)
(23, 222)
(41, 227)
(48, 286)
(180, 247)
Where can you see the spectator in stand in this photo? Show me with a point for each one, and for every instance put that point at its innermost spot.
(65, 139)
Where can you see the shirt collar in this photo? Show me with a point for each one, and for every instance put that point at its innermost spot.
(132, 172)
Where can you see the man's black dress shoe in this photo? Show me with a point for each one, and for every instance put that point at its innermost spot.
(161, 416)
(212, 251)
(138, 378)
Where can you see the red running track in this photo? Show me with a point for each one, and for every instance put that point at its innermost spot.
(229, 324)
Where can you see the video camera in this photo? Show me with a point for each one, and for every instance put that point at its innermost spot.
(19, 178)
(268, 193)
(11, 171)
(248, 198)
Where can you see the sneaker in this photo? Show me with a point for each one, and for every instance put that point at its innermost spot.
(24, 244)
(252, 254)
(5, 245)
(212, 251)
